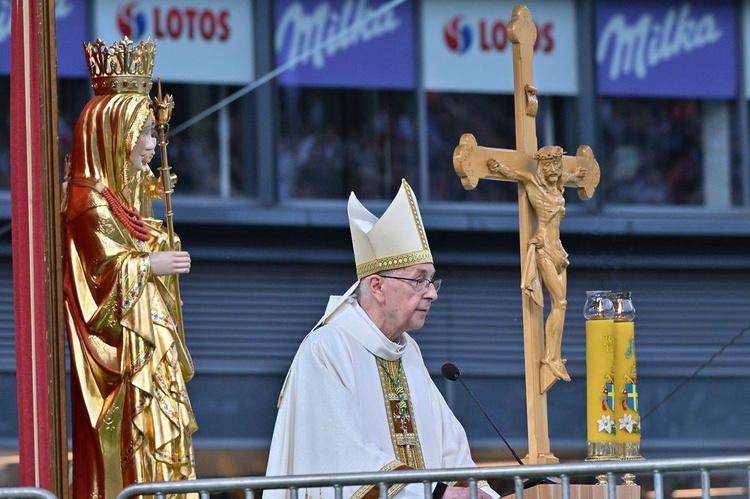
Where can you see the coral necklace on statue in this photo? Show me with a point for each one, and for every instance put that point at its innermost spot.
(128, 215)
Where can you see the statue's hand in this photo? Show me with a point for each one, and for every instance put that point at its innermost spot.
(170, 262)
(160, 186)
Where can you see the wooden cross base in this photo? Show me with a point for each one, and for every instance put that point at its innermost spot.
(554, 491)
(541, 458)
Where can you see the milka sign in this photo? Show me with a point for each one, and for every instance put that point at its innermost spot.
(338, 30)
(344, 42)
(666, 49)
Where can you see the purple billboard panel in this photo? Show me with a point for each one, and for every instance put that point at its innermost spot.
(4, 37)
(71, 24)
(345, 43)
(666, 49)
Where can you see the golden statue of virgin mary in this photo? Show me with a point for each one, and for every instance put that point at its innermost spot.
(132, 419)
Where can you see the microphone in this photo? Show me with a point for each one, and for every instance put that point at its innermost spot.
(452, 373)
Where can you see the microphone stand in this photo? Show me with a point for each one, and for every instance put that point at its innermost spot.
(487, 416)
(452, 373)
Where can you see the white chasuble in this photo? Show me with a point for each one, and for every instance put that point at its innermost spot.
(334, 416)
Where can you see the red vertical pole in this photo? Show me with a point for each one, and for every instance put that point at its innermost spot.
(35, 243)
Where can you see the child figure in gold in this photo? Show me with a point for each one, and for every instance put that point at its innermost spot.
(132, 419)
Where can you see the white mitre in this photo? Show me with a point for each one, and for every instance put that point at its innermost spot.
(395, 240)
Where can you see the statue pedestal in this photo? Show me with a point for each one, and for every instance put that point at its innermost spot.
(554, 491)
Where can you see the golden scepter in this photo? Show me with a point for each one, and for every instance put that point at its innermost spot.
(162, 107)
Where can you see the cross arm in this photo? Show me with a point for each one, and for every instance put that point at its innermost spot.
(582, 171)
(470, 161)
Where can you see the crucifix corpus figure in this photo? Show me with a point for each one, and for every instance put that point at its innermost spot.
(545, 254)
(541, 175)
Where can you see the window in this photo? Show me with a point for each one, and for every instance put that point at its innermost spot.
(334, 141)
(4, 132)
(491, 119)
(211, 157)
(667, 152)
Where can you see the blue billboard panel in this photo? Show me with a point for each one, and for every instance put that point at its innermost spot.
(667, 49)
(71, 24)
(345, 43)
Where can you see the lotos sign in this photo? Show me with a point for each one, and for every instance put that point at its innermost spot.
(203, 41)
(176, 23)
(466, 46)
(668, 49)
(491, 35)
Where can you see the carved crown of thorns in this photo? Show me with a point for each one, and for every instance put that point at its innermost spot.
(549, 152)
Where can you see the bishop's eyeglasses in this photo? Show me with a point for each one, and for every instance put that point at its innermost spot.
(420, 284)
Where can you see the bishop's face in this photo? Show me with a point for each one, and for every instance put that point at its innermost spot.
(405, 309)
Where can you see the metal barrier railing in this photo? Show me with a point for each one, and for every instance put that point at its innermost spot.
(26, 493)
(609, 469)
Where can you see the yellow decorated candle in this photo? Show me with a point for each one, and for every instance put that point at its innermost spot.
(600, 415)
(599, 380)
(628, 436)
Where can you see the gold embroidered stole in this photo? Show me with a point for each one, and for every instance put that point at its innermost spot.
(403, 428)
(400, 413)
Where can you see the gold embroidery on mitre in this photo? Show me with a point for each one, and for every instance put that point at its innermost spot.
(393, 262)
(401, 424)
(417, 217)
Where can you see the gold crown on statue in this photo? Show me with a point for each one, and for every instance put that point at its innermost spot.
(122, 67)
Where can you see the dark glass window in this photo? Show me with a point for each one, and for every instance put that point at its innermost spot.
(4, 132)
(667, 152)
(491, 119)
(211, 156)
(334, 141)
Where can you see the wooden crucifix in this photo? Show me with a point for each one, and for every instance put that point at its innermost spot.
(541, 175)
